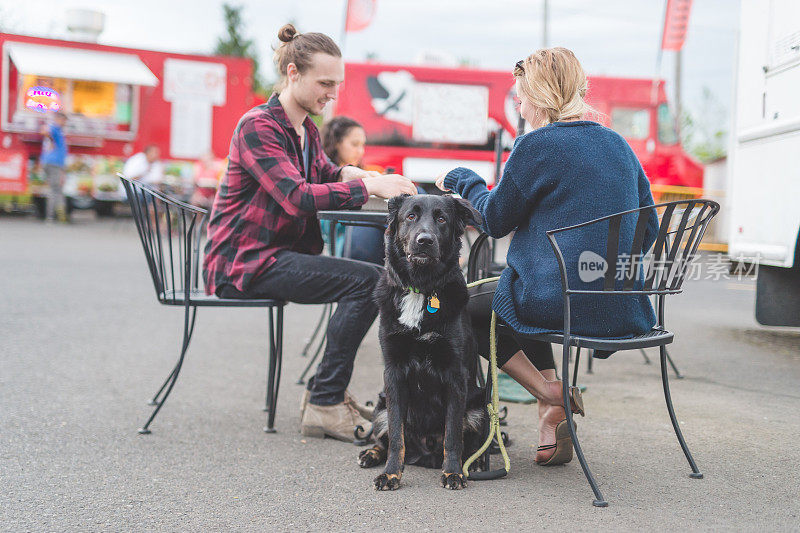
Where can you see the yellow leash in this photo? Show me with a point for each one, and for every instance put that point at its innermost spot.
(493, 408)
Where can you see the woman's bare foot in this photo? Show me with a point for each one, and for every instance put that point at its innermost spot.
(552, 393)
(549, 417)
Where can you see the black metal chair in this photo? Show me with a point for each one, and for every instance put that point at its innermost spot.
(480, 265)
(171, 233)
(662, 272)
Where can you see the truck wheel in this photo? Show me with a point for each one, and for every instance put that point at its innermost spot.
(778, 296)
(778, 293)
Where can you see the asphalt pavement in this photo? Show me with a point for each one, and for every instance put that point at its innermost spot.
(84, 344)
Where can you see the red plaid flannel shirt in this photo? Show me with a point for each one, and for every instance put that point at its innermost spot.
(265, 204)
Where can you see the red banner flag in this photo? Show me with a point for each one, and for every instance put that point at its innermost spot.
(676, 22)
(359, 14)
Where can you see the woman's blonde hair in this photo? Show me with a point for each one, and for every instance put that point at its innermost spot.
(553, 80)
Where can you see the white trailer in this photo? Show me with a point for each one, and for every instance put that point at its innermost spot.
(764, 157)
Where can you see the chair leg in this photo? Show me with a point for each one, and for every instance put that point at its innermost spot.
(678, 375)
(302, 379)
(325, 311)
(589, 358)
(577, 365)
(320, 346)
(275, 362)
(665, 380)
(482, 378)
(173, 377)
(270, 360)
(154, 400)
(599, 501)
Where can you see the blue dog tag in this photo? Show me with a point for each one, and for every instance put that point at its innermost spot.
(433, 304)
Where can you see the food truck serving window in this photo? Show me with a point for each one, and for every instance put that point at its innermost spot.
(98, 90)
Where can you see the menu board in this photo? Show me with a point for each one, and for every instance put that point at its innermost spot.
(449, 113)
(193, 88)
(190, 128)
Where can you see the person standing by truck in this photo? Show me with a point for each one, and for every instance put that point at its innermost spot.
(53, 161)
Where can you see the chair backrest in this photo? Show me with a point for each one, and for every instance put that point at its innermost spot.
(170, 232)
(480, 258)
(629, 269)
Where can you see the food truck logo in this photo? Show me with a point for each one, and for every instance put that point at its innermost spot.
(392, 95)
(42, 99)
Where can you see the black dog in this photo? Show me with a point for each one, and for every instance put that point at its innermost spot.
(432, 407)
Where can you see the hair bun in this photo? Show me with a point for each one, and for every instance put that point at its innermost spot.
(287, 33)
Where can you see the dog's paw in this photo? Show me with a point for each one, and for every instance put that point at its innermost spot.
(453, 481)
(370, 457)
(387, 482)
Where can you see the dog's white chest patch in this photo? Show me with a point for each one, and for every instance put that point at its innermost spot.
(412, 309)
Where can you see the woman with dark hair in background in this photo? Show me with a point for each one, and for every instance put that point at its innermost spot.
(343, 141)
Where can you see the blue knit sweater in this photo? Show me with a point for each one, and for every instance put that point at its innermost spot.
(563, 174)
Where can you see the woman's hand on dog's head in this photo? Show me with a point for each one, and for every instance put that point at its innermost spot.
(389, 185)
(440, 182)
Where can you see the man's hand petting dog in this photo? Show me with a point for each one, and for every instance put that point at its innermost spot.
(431, 411)
(389, 185)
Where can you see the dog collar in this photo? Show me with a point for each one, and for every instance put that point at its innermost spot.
(433, 300)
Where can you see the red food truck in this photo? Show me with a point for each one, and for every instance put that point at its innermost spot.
(422, 120)
(118, 100)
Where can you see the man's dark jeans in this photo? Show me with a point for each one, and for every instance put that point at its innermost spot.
(315, 279)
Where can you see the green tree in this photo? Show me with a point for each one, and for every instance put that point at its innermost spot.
(235, 44)
(705, 134)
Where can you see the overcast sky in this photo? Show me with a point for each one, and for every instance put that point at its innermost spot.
(611, 37)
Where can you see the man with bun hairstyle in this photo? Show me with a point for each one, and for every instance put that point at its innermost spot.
(264, 239)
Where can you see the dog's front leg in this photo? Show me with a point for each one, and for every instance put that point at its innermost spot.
(396, 407)
(452, 477)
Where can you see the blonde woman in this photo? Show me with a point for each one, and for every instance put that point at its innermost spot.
(566, 171)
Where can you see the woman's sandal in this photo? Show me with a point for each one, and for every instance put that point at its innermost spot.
(563, 446)
(576, 401)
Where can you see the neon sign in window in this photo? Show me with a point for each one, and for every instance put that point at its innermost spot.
(42, 99)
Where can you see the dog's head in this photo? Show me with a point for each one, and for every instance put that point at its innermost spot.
(426, 230)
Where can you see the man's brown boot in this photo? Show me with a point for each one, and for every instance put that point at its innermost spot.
(337, 421)
(362, 409)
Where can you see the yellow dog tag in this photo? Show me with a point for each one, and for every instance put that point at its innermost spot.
(433, 304)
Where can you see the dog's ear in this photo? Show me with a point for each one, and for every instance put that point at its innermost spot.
(395, 203)
(466, 214)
